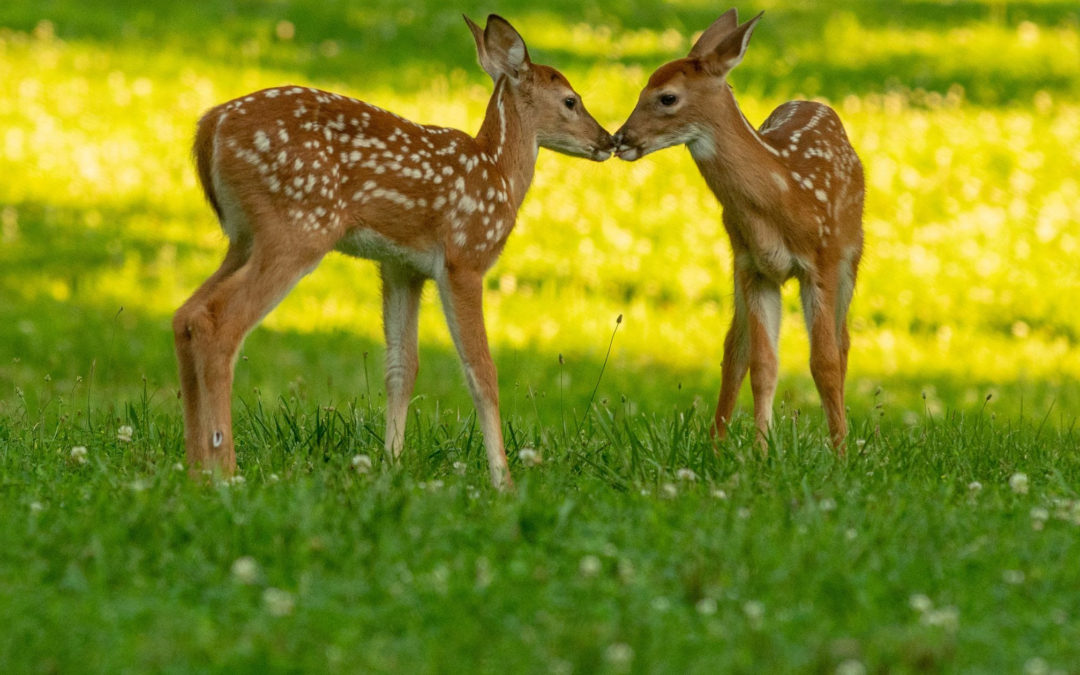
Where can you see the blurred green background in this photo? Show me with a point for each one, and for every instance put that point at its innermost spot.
(966, 115)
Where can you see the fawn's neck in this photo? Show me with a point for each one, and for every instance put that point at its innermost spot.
(734, 159)
(509, 140)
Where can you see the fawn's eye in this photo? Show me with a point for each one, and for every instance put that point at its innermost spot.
(570, 102)
(668, 99)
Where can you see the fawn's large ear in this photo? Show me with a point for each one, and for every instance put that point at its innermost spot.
(500, 48)
(712, 36)
(729, 52)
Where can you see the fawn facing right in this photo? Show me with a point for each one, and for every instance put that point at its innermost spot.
(792, 196)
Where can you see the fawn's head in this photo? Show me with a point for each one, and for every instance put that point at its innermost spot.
(680, 99)
(545, 99)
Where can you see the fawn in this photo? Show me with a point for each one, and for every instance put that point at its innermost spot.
(792, 197)
(293, 173)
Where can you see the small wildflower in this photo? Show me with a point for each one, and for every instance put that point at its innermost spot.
(432, 485)
(755, 612)
(851, 534)
(273, 478)
(946, 617)
(179, 466)
(1039, 516)
(530, 457)
(1014, 577)
(35, 507)
(920, 603)
(706, 606)
(361, 463)
(743, 513)
(245, 570)
(78, 454)
(589, 566)
(661, 604)
(278, 602)
(124, 434)
(669, 490)
(827, 504)
(1036, 666)
(1019, 483)
(686, 474)
(974, 486)
(235, 480)
(460, 468)
(139, 485)
(619, 655)
(850, 667)
(719, 494)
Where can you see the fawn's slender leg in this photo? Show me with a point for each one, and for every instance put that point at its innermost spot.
(763, 312)
(216, 324)
(736, 363)
(235, 257)
(826, 357)
(401, 310)
(461, 291)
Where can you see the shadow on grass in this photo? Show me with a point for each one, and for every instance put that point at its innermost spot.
(404, 45)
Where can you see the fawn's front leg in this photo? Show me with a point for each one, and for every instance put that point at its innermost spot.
(461, 291)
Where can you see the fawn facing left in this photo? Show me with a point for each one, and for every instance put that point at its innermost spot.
(293, 173)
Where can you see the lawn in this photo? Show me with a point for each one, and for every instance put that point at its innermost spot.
(945, 542)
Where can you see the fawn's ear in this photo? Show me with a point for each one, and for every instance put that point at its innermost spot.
(712, 36)
(500, 48)
(728, 53)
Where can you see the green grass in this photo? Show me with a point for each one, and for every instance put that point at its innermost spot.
(966, 115)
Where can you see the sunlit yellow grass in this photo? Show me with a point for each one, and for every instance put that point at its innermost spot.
(970, 267)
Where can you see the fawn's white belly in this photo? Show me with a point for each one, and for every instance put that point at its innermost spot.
(362, 242)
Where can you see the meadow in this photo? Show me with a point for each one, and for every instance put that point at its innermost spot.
(945, 542)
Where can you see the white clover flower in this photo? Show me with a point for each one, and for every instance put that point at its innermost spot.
(235, 480)
(946, 617)
(460, 468)
(686, 474)
(78, 454)
(245, 570)
(1014, 577)
(530, 457)
(661, 604)
(669, 490)
(278, 602)
(273, 478)
(754, 611)
(619, 654)
(1036, 666)
(827, 504)
(35, 507)
(719, 494)
(743, 513)
(974, 486)
(361, 464)
(706, 606)
(1019, 483)
(124, 434)
(179, 466)
(850, 667)
(1039, 513)
(920, 603)
(589, 566)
